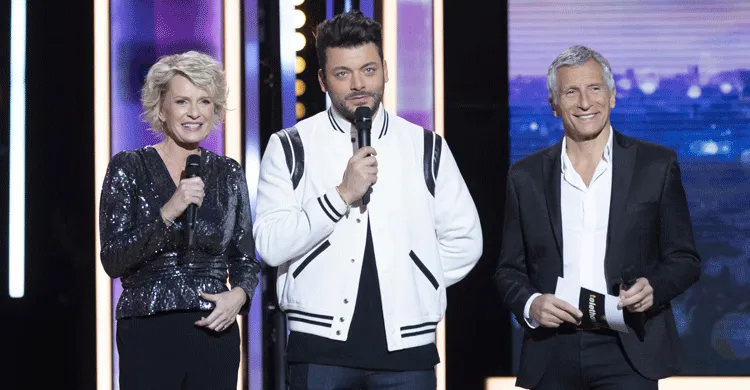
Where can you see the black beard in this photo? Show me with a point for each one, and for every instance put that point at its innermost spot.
(344, 111)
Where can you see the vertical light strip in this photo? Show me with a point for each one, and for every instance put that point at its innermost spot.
(17, 174)
(329, 9)
(233, 121)
(438, 88)
(329, 15)
(288, 59)
(437, 67)
(251, 127)
(390, 52)
(233, 69)
(367, 7)
(101, 160)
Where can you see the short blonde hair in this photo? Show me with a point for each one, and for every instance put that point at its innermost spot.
(201, 69)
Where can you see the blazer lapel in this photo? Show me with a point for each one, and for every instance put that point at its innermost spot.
(623, 163)
(551, 171)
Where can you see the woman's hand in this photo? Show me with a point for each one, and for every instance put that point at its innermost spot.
(227, 305)
(189, 191)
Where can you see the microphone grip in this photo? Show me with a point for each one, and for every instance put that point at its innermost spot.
(366, 197)
(626, 285)
(628, 276)
(363, 139)
(192, 169)
(190, 219)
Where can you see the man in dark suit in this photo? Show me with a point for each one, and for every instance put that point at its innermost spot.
(604, 211)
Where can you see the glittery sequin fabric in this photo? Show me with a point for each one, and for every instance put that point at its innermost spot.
(158, 272)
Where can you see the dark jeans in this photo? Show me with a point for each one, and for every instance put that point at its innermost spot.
(591, 361)
(166, 351)
(303, 376)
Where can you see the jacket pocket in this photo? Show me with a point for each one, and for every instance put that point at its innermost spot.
(424, 270)
(310, 257)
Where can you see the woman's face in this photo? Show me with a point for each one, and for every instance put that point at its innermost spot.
(187, 111)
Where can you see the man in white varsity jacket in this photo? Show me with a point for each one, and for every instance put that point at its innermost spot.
(363, 286)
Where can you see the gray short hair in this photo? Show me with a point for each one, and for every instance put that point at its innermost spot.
(576, 56)
(201, 69)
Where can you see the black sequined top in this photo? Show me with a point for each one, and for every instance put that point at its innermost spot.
(158, 272)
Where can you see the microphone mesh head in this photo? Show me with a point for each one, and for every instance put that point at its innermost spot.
(362, 113)
(193, 165)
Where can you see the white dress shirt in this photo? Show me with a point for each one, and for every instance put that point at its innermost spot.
(585, 219)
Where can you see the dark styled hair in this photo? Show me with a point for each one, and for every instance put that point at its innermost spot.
(349, 29)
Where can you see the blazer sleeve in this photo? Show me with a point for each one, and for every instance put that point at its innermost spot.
(511, 275)
(679, 265)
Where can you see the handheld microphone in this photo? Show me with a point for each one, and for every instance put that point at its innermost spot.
(192, 169)
(363, 123)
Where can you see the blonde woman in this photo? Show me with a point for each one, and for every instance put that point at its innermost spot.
(176, 317)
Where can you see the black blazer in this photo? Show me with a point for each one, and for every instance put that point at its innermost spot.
(649, 235)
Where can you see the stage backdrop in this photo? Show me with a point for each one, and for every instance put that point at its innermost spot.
(682, 79)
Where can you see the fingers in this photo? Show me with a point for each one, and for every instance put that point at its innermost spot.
(553, 317)
(639, 285)
(551, 320)
(361, 173)
(642, 306)
(227, 305)
(209, 297)
(191, 191)
(639, 297)
(369, 161)
(639, 303)
(218, 321)
(364, 151)
(571, 314)
(218, 324)
(551, 312)
(368, 167)
(209, 322)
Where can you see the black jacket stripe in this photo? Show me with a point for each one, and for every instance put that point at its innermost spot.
(299, 156)
(424, 270)
(325, 210)
(294, 153)
(384, 129)
(421, 332)
(328, 202)
(304, 313)
(403, 328)
(287, 149)
(436, 155)
(311, 322)
(333, 121)
(429, 179)
(311, 256)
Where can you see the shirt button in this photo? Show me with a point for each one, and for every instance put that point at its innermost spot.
(352, 260)
(346, 300)
(359, 220)
(341, 319)
(338, 333)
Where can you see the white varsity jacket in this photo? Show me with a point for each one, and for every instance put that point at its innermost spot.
(425, 228)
